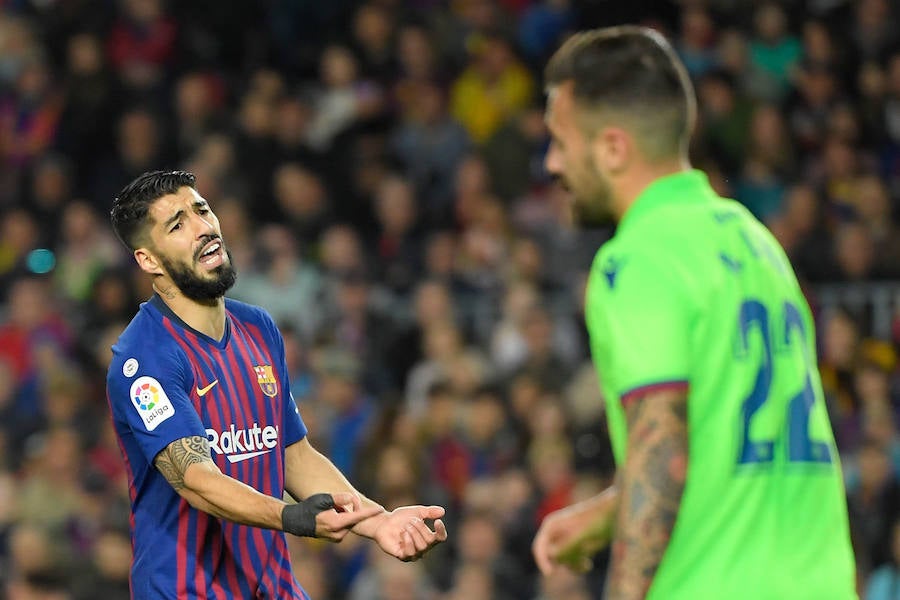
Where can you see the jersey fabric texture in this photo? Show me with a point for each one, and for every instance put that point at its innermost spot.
(693, 293)
(167, 381)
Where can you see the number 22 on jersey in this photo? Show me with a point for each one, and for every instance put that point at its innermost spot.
(792, 330)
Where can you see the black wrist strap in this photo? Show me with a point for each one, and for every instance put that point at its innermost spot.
(300, 519)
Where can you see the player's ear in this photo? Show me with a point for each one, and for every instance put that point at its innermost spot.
(612, 150)
(147, 261)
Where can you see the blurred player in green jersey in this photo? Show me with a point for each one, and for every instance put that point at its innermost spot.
(728, 483)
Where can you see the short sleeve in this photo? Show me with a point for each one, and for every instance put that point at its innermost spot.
(639, 320)
(148, 394)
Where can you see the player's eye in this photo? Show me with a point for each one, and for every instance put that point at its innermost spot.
(175, 227)
(203, 210)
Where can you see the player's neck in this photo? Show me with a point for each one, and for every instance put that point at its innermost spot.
(632, 184)
(206, 317)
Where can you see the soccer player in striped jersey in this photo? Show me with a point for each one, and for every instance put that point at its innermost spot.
(728, 482)
(200, 399)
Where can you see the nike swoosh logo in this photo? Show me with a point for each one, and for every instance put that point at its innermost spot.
(233, 458)
(202, 391)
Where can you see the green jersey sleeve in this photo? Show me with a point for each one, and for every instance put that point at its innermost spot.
(639, 320)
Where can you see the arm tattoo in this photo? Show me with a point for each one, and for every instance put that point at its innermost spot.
(651, 484)
(174, 460)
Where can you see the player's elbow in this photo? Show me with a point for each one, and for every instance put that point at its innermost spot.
(200, 479)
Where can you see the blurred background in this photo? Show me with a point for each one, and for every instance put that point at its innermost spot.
(377, 171)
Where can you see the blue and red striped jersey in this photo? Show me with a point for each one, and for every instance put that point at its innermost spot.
(168, 381)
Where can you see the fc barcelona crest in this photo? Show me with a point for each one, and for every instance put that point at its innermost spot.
(266, 379)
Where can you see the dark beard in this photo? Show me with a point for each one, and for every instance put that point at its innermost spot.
(197, 288)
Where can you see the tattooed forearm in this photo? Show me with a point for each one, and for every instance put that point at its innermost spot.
(650, 484)
(179, 455)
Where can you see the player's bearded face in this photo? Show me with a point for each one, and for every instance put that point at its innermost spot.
(199, 284)
(590, 189)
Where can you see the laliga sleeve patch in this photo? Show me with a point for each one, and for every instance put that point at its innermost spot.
(151, 402)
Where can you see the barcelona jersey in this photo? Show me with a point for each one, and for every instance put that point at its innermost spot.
(167, 381)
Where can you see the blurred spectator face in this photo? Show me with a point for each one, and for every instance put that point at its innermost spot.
(294, 117)
(143, 11)
(372, 27)
(479, 539)
(872, 14)
(138, 141)
(442, 340)
(30, 549)
(256, 116)
(51, 183)
(817, 42)
(63, 400)
(465, 373)
(396, 473)
(802, 208)
(732, 51)
(524, 395)
(112, 556)
(19, 232)
(874, 467)
(441, 417)
(277, 250)
(415, 52)
(338, 390)
(472, 581)
(817, 84)
(495, 58)
(396, 207)
(79, 224)
(485, 418)
(193, 98)
(84, 55)
(299, 193)
(338, 68)
(767, 127)
(520, 298)
(551, 463)
(28, 303)
(871, 80)
(33, 80)
(216, 152)
(432, 303)
(841, 338)
(843, 123)
(538, 332)
(527, 259)
(341, 249)
(268, 84)
(872, 384)
(840, 158)
(547, 419)
(102, 348)
(696, 27)
(871, 200)
(111, 294)
(428, 104)
(854, 251)
(353, 296)
(234, 222)
(770, 22)
(61, 455)
(478, 14)
(716, 96)
(440, 255)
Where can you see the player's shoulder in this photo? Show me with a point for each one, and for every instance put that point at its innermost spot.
(250, 314)
(144, 342)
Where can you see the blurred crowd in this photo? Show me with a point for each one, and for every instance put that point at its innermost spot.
(376, 167)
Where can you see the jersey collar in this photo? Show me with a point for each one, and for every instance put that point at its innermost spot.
(162, 307)
(678, 188)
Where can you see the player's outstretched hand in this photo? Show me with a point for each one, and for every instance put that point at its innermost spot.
(571, 537)
(403, 533)
(326, 516)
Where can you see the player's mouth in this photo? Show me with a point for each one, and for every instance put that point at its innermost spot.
(212, 254)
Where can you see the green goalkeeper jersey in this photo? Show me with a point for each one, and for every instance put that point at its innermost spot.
(692, 292)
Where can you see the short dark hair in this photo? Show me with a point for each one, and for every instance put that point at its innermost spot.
(630, 70)
(130, 208)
